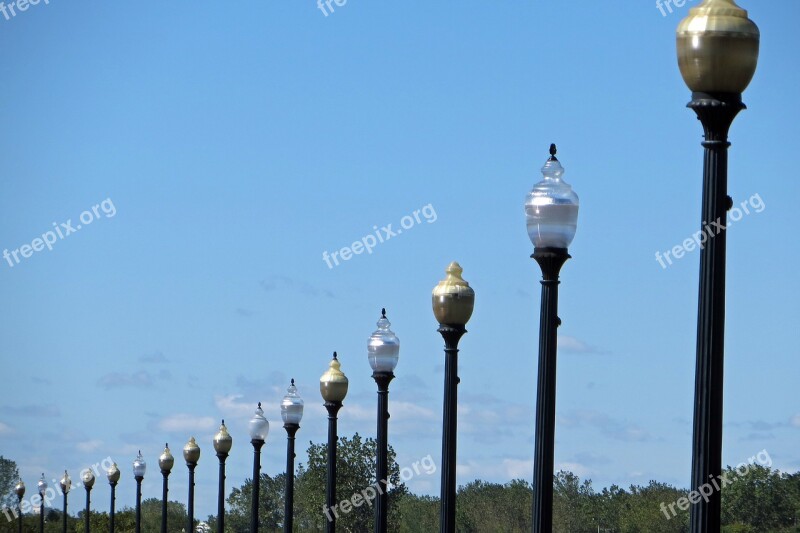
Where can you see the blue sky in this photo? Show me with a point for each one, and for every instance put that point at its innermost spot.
(238, 142)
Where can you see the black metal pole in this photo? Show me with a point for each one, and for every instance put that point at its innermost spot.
(221, 495)
(330, 488)
(87, 518)
(288, 505)
(164, 493)
(139, 504)
(257, 444)
(451, 335)
(64, 518)
(190, 506)
(19, 517)
(382, 460)
(41, 514)
(113, 503)
(550, 260)
(716, 113)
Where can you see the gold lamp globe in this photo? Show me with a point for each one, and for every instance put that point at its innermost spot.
(20, 489)
(113, 473)
(191, 452)
(718, 48)
(223, 442)
(333, 383)
(166, 461)
(453, 299)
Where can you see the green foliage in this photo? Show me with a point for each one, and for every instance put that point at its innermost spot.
(9, 475)
(355, 472)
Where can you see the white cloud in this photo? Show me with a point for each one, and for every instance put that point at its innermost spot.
(5, 429)
(183, 423)
(232, 406)
(518, 468)
(795, 421)
(580, 470)
(89, 445)
(573, 345)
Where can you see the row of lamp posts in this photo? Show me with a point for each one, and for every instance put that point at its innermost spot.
(718, 49)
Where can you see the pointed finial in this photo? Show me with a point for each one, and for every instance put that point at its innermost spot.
(223, 421)
(553, 151)
(259, 405)
(292, 382)
(383, 312)
(335, 356)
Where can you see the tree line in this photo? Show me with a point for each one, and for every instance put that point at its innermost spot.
(762, 500)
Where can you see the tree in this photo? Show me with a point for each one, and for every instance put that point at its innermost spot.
(355, 474)
(9, 475)
(355, 466)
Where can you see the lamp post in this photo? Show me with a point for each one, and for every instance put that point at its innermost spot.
(551, 212)
(19, 489)
(292, 413)
(222, 445)
(87, 477)
(113, 475)
(165, 462)
(717, 54)
(259, 429)
(383, 350)
(66, 485)
(191, 454)
(333, 387)
(139, 468)
(42, 486)
(453, 301)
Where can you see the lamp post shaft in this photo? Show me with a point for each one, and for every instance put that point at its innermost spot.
(330, 487)
(550, 260)
(716, 113)
(382, 460)
(19, 517)
(451, 335)
(288, 505)
(113, 504)
(41, 514)
(87, 518)
(64, 516)
(164, 493)
(257, 444)
(139, 504)
(190, 505)
(221, 493)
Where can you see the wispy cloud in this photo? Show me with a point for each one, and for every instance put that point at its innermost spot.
(5, 429)
(89, 445)
(183, 423)
(142, 379)
(608, 426)
(233, 406)
(284, 282)
(38, 411)
(795, 421)
(572, 345)
(155, 357)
